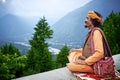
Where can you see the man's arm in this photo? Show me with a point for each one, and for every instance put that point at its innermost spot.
(98, 45)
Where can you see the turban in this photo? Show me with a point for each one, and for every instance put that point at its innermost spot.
(93, 15)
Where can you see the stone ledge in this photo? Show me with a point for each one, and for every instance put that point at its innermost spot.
(61, 73)
(57, 74)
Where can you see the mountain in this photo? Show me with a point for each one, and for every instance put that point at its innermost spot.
(70, 29)
(13, 28)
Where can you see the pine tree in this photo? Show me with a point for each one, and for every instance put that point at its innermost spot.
(10, 49)
(111, 27)
(12, 63)
(62, 57)
(39, 57)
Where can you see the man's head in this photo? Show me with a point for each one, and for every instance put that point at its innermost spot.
(93, 19)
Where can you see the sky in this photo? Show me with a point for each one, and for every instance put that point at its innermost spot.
(53, 10)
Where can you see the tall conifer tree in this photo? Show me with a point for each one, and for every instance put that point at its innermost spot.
(111, 27)
(39, 57)
(62, 57)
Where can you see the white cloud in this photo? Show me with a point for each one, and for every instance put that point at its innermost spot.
(21, 43)
(45, 7)
(3, 1)
(52, 9)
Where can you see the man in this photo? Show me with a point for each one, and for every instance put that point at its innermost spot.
(82, 60)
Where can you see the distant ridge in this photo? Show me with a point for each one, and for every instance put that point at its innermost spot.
(70, 29)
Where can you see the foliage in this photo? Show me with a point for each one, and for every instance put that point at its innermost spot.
(39, 57)
(9, 49)
(11, 62)
(111, 27)
(119, 70)
(62, 57)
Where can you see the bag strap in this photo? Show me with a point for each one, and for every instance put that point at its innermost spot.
(107, 51)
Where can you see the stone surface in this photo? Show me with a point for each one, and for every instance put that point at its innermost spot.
(57, 74)
(117, 61)
(61, 73)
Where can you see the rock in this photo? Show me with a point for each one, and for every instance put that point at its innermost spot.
(57, 74)
(117, 61)
(61, 73)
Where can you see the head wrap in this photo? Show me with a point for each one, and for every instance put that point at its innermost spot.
(93, 15)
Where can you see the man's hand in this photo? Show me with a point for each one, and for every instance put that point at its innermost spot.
(82, 57)
(79, 61)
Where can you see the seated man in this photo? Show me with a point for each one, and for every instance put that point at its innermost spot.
(82, 60)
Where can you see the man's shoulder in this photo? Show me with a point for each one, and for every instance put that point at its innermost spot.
(97, 31)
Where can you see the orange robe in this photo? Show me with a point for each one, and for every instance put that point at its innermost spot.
(99, 53)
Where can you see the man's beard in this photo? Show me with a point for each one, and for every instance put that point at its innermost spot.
(85, 26)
